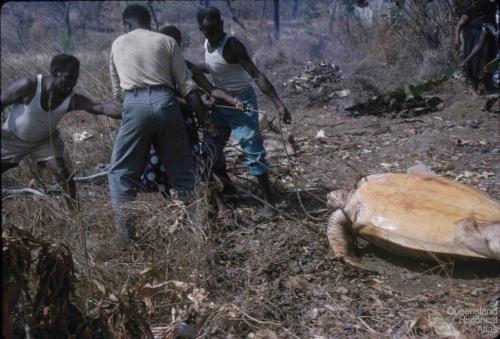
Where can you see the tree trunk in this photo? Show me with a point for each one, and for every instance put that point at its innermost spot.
(295, 7)
(20, 38)
(263, 14)
(276, 19)
(204, 3)
(149, 4)
(332, 9)
(22, 24)
(98, 13)
(67, 22)
(234, 16)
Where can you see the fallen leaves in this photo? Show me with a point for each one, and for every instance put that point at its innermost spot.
(469, 174)
(380, 287)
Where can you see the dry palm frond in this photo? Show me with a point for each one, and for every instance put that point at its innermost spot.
(38, 301)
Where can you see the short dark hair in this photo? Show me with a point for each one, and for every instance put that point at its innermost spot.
(64, 62)
(211, 13)
(172, 32)
(138, 12)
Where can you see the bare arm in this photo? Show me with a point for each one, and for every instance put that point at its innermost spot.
(463, 20)
(83, 103)
(242, 57)
(196, 104)
(16, 92)
(215, 92)
(194, 101)
(187, 87)
(218, 93)
(198, 67)
(476, 49)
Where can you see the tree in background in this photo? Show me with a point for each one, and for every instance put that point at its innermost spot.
(23, 22)
(234, 16)
(276, 19)
(204, 3)
(149, 5)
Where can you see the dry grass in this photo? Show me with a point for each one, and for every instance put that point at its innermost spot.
(231, 280)
(236, 279)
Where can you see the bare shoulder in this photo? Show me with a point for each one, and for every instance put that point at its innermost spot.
(234, 43)
(27, 84)
(21, 90)
(235, 50)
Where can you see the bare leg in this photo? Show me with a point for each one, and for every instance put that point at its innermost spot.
(222, 210)
(65, 179)
(228, 185)
(488, 105)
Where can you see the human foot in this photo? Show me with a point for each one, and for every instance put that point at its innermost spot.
(224, 213)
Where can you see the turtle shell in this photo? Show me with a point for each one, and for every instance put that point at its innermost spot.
(422, 214)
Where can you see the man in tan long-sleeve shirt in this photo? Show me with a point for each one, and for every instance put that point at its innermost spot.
(139, 59)
(145, 66)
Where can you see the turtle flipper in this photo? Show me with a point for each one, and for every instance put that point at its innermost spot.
(340, 239)
(481, 237)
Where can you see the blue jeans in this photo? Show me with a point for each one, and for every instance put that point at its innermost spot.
(244, 127)
(150, 116)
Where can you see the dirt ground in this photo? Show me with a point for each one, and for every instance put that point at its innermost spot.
(279, 278)
(459, 142)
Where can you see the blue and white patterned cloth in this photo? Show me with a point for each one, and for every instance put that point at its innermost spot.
(154, 177)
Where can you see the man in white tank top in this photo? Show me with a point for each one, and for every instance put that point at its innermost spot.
(38, 104)
(232, 70)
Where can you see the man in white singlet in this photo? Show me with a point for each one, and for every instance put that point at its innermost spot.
(38, 104)
(232, 70)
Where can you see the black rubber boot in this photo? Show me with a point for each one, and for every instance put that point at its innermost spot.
(267, 211)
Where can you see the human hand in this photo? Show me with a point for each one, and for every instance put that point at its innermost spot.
(239, 104)
(209, 105)
(285, 115)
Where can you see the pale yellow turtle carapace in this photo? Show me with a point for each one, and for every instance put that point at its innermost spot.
(421, 216)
